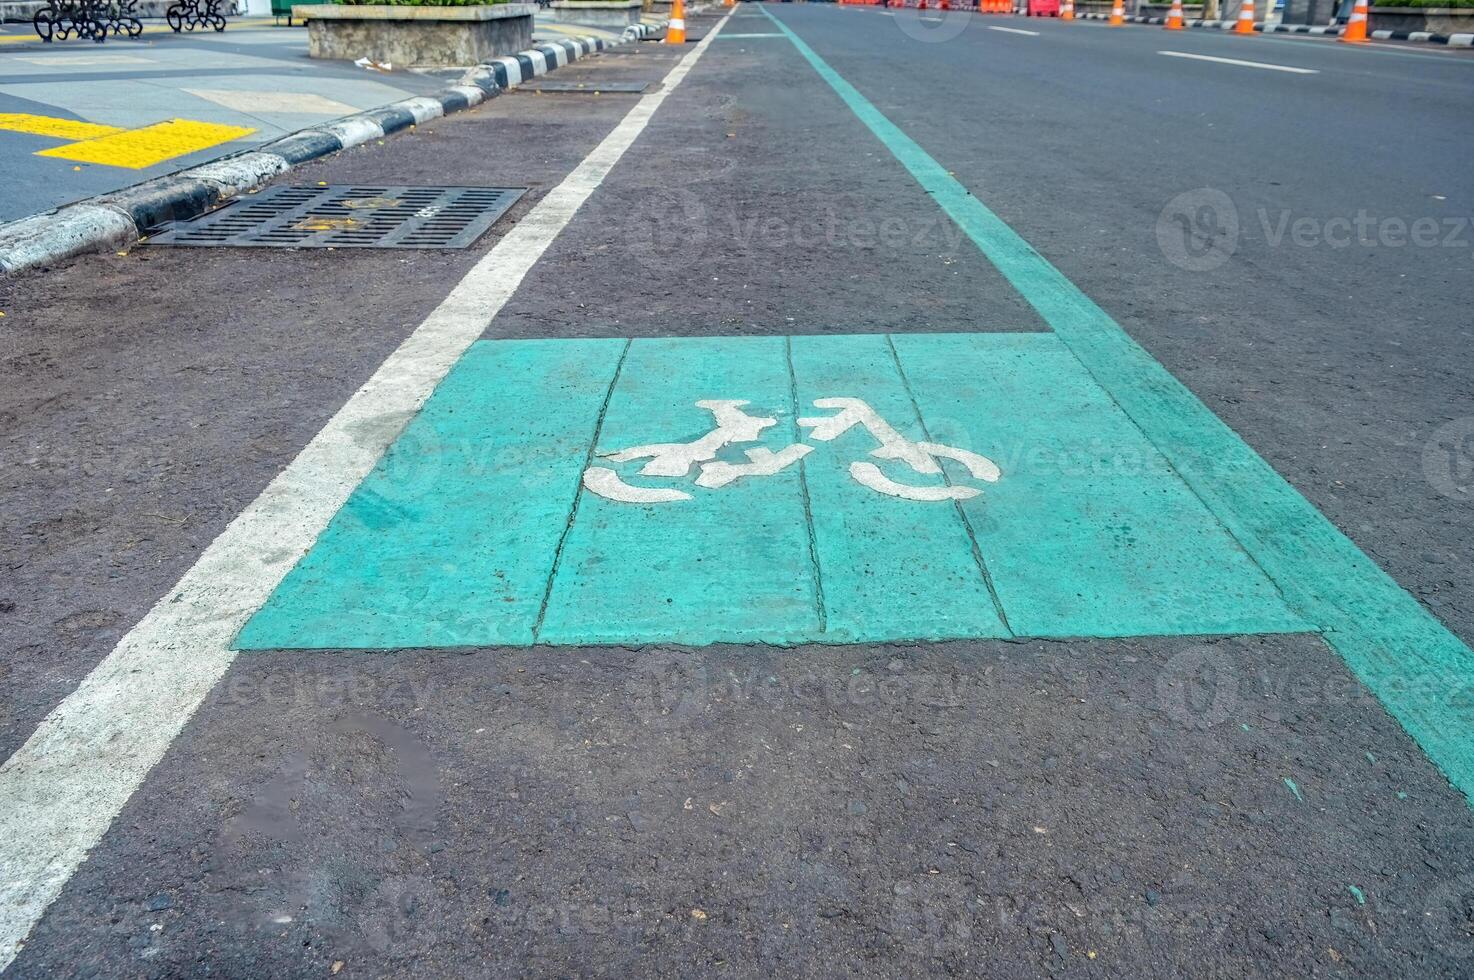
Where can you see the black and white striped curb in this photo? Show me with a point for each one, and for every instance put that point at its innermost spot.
(513, 69)
(116, 220)
(1333, 30)
(1452, 40)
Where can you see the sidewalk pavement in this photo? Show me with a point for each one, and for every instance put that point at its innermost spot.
(242, 88)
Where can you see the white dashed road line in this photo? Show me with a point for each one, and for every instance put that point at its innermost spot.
(1241, 64)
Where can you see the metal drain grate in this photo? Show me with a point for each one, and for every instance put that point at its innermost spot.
(347, 216)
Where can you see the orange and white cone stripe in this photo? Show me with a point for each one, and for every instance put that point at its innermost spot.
(675, 31)
(1174, 16)
(1245, 23)
(1067, 10)
(1118, 14)
(1356, 27)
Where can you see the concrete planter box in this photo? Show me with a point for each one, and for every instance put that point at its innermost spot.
(416, 35)
(618, 14)
(1438, 20)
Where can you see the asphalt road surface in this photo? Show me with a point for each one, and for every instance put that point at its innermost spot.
(970, 642)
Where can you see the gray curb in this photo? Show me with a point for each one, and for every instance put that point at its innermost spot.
(118, 219)
(1334, 30)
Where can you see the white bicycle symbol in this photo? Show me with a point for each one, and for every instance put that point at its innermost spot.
(733, 425)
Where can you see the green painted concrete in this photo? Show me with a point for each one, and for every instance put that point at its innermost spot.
(730, 564)
(890, 567)
(1093, 535)
(1415, 665)
(474, 529)
(452, 537)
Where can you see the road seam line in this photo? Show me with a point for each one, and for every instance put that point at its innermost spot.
(803, 483)
(588, 461)
(64, 787)
(972, 537)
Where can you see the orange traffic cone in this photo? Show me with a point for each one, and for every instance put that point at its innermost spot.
(1118, 15)
(1356, 27)
(1174, 16)
(1245, 23)
(1067, 10)
(675, 31)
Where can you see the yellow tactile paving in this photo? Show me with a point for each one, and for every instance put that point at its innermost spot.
(136, 149)
(67, 129)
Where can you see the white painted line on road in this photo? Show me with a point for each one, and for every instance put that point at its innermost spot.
(62, 789)
(1013, 30)
(1242, 64)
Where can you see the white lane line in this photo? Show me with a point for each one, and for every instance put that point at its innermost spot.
(1242, 64)
(60, 791)
(1013, 30)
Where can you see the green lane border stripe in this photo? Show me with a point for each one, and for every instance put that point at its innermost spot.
(1417, 668)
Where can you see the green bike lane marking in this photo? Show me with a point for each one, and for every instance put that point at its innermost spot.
(1419, 670)
(450, 539)
(520, 513)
